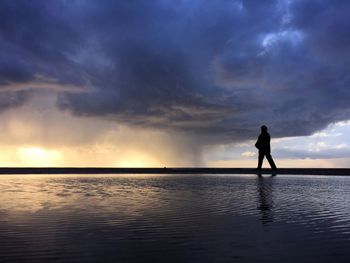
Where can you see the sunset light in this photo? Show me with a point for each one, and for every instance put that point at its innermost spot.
(35, 156)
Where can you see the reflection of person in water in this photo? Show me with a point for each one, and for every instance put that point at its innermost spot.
(263, 145)
(265, 199)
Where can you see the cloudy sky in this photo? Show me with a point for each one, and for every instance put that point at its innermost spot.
(174, 82)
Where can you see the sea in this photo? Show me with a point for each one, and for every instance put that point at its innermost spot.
(174, 218)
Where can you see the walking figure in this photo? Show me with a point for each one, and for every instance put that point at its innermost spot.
(263, 145)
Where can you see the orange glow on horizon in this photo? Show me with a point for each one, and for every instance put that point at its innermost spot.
(138, 160)
(38, 156)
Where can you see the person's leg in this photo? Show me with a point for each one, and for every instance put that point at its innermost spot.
(271, 162)
(260, 161)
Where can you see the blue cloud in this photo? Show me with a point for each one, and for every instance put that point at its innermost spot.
(217, 69)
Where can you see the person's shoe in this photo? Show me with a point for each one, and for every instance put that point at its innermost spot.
(258, 168)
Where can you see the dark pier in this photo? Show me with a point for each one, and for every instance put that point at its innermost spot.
(171, 170)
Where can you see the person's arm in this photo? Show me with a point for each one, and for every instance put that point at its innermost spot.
(258, 143)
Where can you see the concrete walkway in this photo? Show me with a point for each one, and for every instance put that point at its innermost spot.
(184, 170)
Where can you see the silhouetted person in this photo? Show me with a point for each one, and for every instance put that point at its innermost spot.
(263, 145)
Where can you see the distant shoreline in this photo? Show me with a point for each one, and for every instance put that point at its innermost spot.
(171, 170)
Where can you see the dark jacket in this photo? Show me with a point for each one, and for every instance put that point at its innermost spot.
(263, 143)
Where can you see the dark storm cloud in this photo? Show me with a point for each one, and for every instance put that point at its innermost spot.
(36, 39)
(211, 68)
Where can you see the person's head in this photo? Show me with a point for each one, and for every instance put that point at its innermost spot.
(263, 128)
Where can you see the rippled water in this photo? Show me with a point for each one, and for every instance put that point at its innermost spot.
(174, 218)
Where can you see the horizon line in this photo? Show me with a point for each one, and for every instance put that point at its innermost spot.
(172, 170)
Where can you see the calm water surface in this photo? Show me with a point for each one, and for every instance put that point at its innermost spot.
(174, 218)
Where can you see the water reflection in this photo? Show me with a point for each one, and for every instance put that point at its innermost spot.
(265, 198)
(174, 218)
